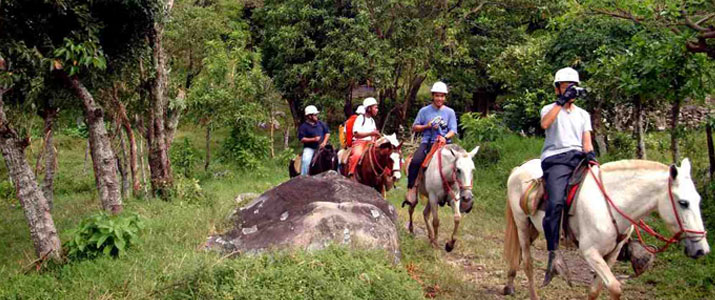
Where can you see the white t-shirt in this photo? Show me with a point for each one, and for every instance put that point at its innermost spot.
(566, 132)
(364, 125)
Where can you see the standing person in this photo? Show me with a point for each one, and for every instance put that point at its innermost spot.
(567, 142)
(364, 131)
(314, 134)
(437, 123)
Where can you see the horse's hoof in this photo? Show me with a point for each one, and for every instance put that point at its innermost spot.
(508, 290)
(405, 202)
(449, 246)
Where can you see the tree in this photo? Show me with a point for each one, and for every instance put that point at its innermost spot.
(37, 211)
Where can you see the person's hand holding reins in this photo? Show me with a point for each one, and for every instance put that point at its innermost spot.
(441, 139)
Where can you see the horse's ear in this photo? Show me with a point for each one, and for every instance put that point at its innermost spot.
(685, 166)
(673, 171)
(399, 147)
(473, 152)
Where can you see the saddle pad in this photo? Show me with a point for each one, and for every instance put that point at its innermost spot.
(297, 161)
(533, 197)
(343, 156)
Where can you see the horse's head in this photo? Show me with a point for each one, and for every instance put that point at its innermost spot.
(328, 159)
(464, 168)
(681, 212)
(390, 148)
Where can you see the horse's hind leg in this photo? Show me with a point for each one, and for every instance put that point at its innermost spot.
(430, 231)
(409, 225)
(457, 218)
(526, 234)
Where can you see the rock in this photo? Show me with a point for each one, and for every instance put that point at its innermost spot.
(245, 196)
(310, 213)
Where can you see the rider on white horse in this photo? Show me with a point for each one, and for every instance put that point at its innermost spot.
(314, 134)
(437, 122)
(568, 141)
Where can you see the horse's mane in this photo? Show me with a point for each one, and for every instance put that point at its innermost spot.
(631, 164)
(455, 148)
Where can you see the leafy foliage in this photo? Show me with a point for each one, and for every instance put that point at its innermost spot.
(189, 190)
(104, 235)
(184, 158)
(244, 148)
(481, 129)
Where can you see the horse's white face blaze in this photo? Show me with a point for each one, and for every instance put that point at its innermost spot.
(465, 169)
(395, 156)
(687, 205)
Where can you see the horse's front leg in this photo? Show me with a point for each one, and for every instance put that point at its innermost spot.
(409, 225)
(598, 264)
(457, 218)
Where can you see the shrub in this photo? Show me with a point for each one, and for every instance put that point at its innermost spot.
(189, 190)
(245, 148)
(621, 145)
(478, 129)
(79, 131)
(102, 234)
(7, 192)
(184, 157)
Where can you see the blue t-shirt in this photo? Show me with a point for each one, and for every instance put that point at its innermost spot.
(429, 113)
(312, 130)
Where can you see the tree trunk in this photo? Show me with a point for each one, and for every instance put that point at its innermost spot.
(674, 135)
(711, 149)
(122, 164)
(49, 115)
(482, 100)
(598, 128)
(638, 128)
(294, 111)
(126, 125)
(103, 158)
(409, 98)
(159, 164)
(37, 211)
(208, 147)
(286, 137)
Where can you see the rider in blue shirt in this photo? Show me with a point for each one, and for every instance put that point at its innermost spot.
(436, 122)
(314, 134)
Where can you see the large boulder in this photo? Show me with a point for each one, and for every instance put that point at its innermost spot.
(311, 213)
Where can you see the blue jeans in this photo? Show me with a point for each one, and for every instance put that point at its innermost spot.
(306, 158)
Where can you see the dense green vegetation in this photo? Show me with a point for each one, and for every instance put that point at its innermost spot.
(92, 94)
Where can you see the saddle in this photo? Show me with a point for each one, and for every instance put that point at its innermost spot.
(534, 197)
(425, 163)
(298, 161)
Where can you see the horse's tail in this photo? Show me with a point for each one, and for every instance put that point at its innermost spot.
(292, 172)
(512, 248)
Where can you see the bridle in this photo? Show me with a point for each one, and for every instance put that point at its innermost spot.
(445, 183)
(641, 225)
(372, 157)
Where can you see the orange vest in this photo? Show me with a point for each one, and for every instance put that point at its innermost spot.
(349, 130)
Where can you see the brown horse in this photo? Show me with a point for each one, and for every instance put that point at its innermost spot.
(379, 166)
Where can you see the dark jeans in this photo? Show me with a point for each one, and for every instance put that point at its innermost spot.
(557, 171)
(416, 162)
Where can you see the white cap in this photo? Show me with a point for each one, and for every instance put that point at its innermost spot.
(566, 75)
(360, 110)
(439, 87)
(311, 110)
(368, 102)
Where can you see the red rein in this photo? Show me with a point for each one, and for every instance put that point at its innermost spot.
(642, 225)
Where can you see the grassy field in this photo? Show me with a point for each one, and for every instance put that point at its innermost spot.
(169, 261)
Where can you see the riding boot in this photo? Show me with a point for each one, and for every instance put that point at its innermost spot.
(411, 197)
(556, 265)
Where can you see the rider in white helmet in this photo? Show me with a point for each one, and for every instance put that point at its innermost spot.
(314, 134)
(437, 123)
(364, 131)
(567, 142)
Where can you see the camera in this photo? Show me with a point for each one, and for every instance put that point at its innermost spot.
(580, 92)
(441, 122)
(574, 91)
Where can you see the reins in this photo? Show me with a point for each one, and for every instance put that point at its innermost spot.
(372, 157)
(641, 225)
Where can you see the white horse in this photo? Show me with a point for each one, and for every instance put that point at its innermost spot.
(451, 182)
(636, 188)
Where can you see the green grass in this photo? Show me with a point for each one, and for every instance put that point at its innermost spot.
(169, 260)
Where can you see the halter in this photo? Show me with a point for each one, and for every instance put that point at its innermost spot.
(445, 184)
(642, 224)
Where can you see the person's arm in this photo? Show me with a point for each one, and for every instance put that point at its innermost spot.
(549, 117)
(452, 125)
(306, 140)
(359, 130)
(420, 123)
(587, 144)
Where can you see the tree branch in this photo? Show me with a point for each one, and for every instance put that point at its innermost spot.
(690, 22)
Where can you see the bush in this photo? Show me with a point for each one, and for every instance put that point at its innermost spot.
(79, 131)
(7, 192)
(478, 129)
(184, 157)
(245, 148)
(189, 190)
(102, 234)
(621, 145)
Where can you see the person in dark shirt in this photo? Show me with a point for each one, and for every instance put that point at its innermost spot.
(314, 134)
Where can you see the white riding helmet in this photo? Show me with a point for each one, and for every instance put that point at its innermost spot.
(311, 110)
(360, 110)
(439, 87)
(566, 74)
(368, 102)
